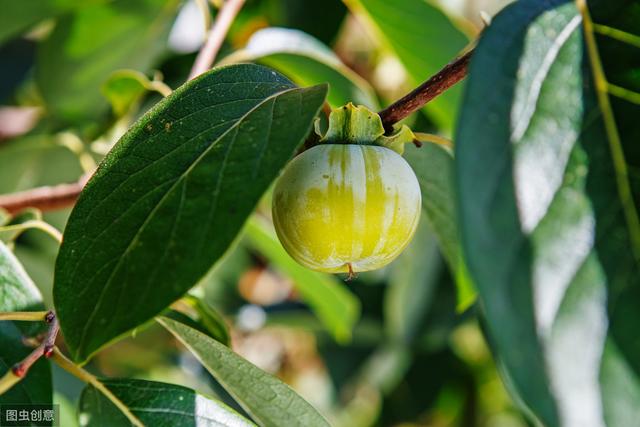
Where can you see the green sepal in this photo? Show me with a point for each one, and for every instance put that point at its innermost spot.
(352, 124)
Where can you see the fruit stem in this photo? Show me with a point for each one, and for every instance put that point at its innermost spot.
(352, 275)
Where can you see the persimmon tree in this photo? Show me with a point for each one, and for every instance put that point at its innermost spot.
(501, 190)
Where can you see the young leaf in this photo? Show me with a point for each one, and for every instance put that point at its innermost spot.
(18, 293)
(123, 89)
(334, 305)
(548, 239)
(307, 61)
(267, 399)
(423, 38)
(171, 196)
(155, 404)
(87, 45)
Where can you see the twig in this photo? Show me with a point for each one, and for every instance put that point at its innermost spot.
(45, 349)
(215, 37)
(65, 195)
(451, 74)
(44, 198)
(87, 377)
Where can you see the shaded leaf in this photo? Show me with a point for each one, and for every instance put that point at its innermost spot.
(620, 389)
(155, 404)
(267, 399)
(87, 45)
(307, 61)
(169, 199)
(614, 190)
(547, 238)
(18, 293)
(335, 306)
(412, 283)
(405, 25)
(20, 15)
(36, 387)
(35, 160)
(433, 165)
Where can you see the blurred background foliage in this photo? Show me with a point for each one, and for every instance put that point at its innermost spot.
(74, 75)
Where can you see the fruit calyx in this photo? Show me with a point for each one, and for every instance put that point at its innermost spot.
(352, 124)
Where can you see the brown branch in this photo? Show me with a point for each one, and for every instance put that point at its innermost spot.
(215, 37)
(451, 74)
(65, 195)
(44, 198)
(44, 349)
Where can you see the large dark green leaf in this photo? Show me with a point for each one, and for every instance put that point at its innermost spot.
(267, 399)
(18, 293)
(307, 61)
(171, 196)
(423, 38)
(548, 241)
(155, 404)
(87, 45)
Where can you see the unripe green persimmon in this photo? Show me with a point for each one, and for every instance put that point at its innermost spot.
(339, 208)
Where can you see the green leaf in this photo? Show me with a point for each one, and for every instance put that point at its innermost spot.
(412, 283)
(18, 293)
(423, 38)
(35, 387)
(20, 15)
(620, 389)
(201, 316)
(155, 404)
(433, 165)
(307, 61)
(615, 194)
(169, 199)
(267, 399)
(87, 45)
(548, 240)
(123, 89)
(35, 160)
(335, 306)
